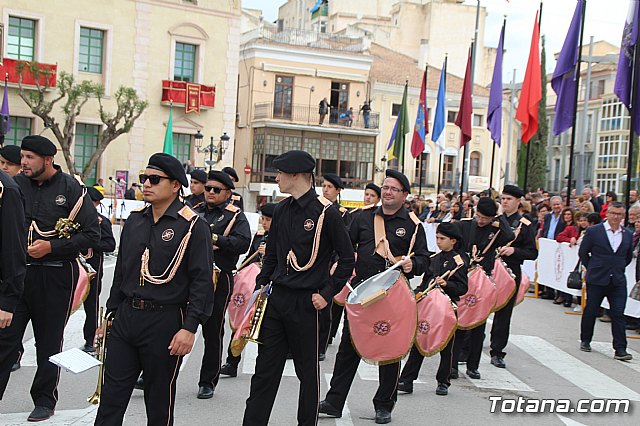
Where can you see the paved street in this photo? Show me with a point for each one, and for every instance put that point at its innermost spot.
(543, 362)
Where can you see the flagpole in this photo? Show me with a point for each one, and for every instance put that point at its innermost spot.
(573, 127)
(439, 174)
(632, 112)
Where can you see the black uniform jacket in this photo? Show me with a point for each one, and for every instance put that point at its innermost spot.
(293, 227)
(55, 199)
(106, 244)
(457, 284)
(480, 237)
(193, 283)
(399, 229)
(229, 248)
(13, 244)
(525, 245)
(194, 201)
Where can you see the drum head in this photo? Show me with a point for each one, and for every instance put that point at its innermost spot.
(373, 285)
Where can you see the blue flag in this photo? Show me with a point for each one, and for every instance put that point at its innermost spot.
(624, 85)
(563, 81)
(494, 113)
(440, 119)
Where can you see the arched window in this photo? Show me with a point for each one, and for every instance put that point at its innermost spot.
(474, 163)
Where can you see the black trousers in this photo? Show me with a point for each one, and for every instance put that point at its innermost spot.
(46, 302)
(344, 371)
(617, 297)
(92, 302)
(414, 363)
(474, 339)
(502, 322)
(138, 341)
(213, 332)
(325, 326)
(336, 317)
(290, 321)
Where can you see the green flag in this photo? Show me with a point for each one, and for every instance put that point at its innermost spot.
(168, 136)
(402, 127)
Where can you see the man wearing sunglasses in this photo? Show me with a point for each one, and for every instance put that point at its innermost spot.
(304, 234)
(231, 236)
(162, 290)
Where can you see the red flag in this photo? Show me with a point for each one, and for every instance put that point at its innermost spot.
(421, 127)
(531, 93)
(463, 120)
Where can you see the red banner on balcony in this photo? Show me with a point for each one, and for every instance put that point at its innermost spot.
(10, 67)
(193, 96)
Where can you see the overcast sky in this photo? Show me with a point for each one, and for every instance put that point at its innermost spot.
(605, 20)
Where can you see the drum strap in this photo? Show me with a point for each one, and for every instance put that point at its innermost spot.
(381, 242)
(291, 257)
(227, 230)
(477, 257)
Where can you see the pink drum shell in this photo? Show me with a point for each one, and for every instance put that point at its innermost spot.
(244, 327)
(244, 284)
(505, 284)
(437, 323)
(477, 303)
(525, 282)
(383, 332)
(82, 288)
(341, 297)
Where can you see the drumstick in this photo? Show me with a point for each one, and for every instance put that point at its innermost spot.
(395, 266)
(247, 261)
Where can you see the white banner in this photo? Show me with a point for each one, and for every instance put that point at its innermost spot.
(557, 260)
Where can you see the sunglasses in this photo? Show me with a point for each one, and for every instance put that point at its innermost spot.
(215, 189)
(153, 179)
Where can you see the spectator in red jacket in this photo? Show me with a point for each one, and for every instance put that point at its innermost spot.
(571, 234)
(610, 196)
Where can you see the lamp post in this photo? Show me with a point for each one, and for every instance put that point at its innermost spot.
(219, 149)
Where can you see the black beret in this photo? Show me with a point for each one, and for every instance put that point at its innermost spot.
(375, 188)
(450, 230)
(39, 144)
(221, 177)
(487, 206)
(199, 175)
(231, 172)
(295, 161)
(170, 165)
(513, 190)
(334, 179)
(11, 153)
(400, 177)
(267, 209)
(94, 194)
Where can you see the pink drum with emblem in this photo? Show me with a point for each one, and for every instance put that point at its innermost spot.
(82, 288)
(244, 283)
(476, 304)
(382, 315)
(244, 326)
(524, 287)
(505, 284)
(436, 322)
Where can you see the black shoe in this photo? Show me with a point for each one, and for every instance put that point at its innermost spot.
(328, 409)
(622, 355)
(498, 361)
(322, 356)
(205, 392)
(39, 414)
(229, 370)
(567, 304)
(473, 374)
(15, 366)
(442, 389)
(585, 346)
(139, 383)
(454, 374)
(406, 387)
(88, 349)
(383, 417)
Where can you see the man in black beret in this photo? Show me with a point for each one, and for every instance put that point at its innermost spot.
(236, 198)
(95, 258)
(50, 197)
(155, 314)
(372, 194)
(231, 236)
(258, 245)
(304, 234)
(10, 160)
(196, 186)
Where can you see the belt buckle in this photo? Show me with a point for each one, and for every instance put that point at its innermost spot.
(138, 304)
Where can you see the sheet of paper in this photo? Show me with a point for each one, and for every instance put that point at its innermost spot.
(74, 360)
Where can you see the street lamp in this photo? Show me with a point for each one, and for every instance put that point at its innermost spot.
(219, 149)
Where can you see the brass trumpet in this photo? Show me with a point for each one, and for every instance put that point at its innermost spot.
(100, 355)
(256, 321)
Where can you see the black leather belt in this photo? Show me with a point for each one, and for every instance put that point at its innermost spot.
(52, 264)
(148, 305)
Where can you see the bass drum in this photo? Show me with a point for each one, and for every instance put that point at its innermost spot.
(82, 288)
(505, 283)
(437, 322)
(244, 283)
(476, 304)
(382, 316)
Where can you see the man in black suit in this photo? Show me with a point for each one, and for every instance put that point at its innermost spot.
(605, 252)
(553, 224)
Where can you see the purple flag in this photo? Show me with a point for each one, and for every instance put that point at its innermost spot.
(5, 107)
(494, 113)
(624, 86)
(563, 81)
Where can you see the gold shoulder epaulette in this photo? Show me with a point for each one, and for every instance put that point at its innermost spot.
(525, 221)
(187, 213)
(235, 197)
(458, 259)
(342, 210)
(325, 202)
(414, 218)
(232, 208)
(138, 210)
(368, 206)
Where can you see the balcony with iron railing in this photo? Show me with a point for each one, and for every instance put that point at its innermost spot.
(309, 115)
